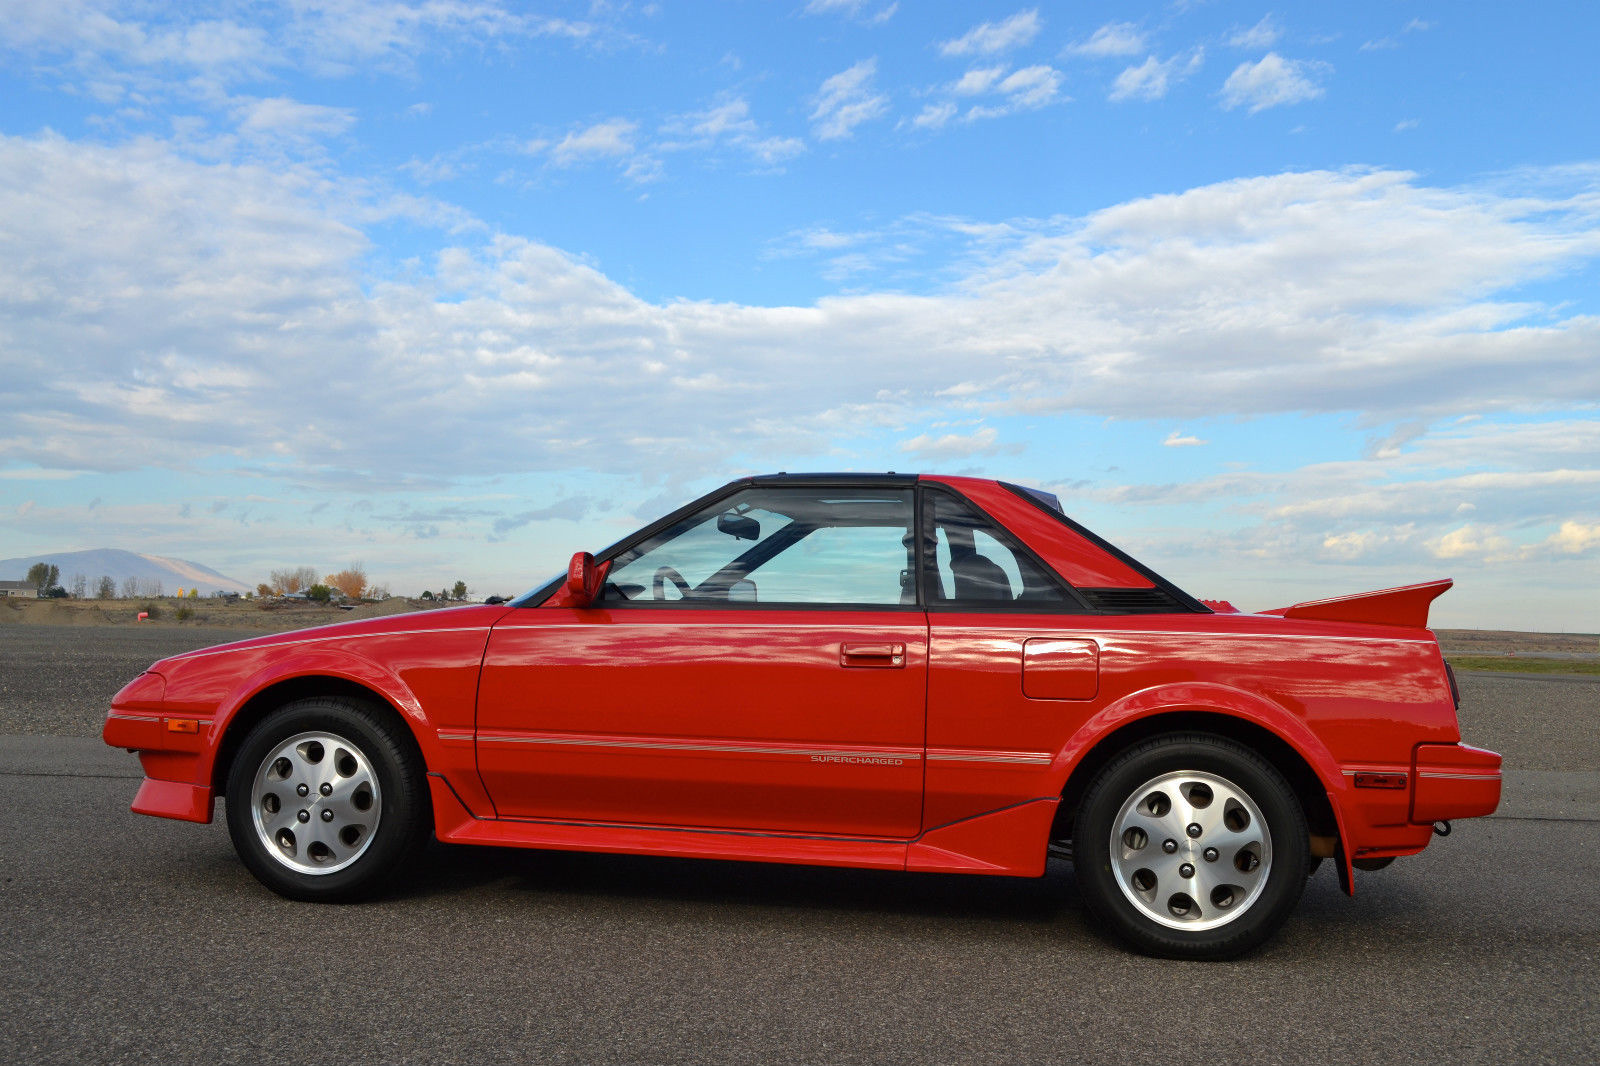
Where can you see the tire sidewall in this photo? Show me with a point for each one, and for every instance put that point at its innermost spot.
(1286, 825)
(394, 763)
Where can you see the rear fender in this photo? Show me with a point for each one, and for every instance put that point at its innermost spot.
(1208, 698)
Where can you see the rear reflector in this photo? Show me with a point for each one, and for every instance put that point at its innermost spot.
(1382, 780)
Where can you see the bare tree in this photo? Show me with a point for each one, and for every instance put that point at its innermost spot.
(80, 586)
(130, 588)
(290, 581)
(106, 589)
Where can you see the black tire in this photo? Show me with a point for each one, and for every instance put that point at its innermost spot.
(326, 799)
(1227, 808)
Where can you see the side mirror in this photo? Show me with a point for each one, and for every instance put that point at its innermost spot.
(739, 527)
(583, 579)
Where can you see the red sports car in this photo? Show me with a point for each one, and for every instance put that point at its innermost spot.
(888, 671)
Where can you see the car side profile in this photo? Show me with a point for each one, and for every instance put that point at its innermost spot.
(886, 671)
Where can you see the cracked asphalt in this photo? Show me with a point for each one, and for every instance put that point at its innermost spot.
(131, 939)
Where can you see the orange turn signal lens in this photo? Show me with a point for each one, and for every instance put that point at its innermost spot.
(182, 725)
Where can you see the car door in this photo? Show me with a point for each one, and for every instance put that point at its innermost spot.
(1013, 663)
(757, 666)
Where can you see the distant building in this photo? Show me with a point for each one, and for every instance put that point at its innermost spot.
(22, 589)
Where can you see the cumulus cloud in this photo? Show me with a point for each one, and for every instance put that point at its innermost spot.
(871, 14)
(1177, 439)
(992, 92)
(163, 310)
(1273, 82)
(728, 122)
(1468, 540)
(1112, 39)
(322, 36)
(609, 139)
(992, 38)
(846, 100)
(934, 116)
(282, 117)
(1575, 538)
(1263, 34)
(947, 447)
(1151, 79)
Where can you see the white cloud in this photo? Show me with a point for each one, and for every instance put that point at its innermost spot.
(1575, 538)
(952, 446)
(1176, 439)
(1031, 87)
(846, 100)
(321, 36)
(860, 10)
(1027, 89)
(728, 123)
(991, 38)
(1263, 34)
(934, 116)
(978, 80)
(1151, 79)
(1112, 39)
(610, 139)
(1353, 545)
(1468, 540)
(163, 312)
(282, 117)
(1273, 82)
(1406, 124)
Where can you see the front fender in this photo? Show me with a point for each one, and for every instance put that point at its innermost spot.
(430, 679)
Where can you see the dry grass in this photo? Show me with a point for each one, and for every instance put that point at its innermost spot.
(1522, 664)
(261, 616)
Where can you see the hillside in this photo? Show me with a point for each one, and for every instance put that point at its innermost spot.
(121, 566)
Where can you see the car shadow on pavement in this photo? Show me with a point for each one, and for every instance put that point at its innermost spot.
(446, 869)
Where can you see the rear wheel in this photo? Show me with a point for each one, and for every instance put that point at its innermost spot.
(1191, 846)
(326, 798)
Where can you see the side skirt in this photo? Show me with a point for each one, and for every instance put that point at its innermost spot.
(1007, 841)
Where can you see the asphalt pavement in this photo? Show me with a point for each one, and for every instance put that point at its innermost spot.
(132, 939)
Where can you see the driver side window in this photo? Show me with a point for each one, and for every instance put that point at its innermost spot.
(845, 546)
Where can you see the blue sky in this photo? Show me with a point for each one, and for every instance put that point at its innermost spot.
(1289, 301)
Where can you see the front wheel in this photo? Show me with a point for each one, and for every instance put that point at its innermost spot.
(326, 798)
(1191, 847)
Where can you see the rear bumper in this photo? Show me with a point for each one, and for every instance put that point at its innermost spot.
(1454, 781)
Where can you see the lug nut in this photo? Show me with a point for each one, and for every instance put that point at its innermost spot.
(1169, 846)
(1186, 870)
(302, 791)
(1211, 855)
(327, 816)
(326, 789)
(304, 816)
(1194, 830)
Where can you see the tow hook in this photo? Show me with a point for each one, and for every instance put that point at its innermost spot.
(1441, 829)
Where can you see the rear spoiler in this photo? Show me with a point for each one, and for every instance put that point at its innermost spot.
(1406, 606)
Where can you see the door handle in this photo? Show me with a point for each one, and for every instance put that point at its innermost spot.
(882, 656)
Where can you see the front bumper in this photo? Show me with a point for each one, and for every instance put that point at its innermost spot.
(170, 749)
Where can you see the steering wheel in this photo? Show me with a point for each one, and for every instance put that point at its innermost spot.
(658, 588)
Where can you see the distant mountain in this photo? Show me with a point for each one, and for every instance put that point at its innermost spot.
(119, 565)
